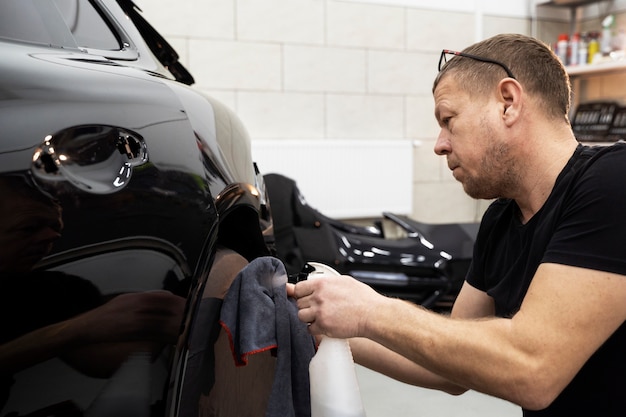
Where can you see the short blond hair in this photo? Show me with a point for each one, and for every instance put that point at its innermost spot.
(531, 61)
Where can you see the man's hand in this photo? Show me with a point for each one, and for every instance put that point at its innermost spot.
(335, 306)
(147, 316)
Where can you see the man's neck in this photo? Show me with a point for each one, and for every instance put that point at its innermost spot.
(541, 175)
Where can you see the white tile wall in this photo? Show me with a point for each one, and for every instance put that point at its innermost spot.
(315, 69)
(288, 21)
(379, 171)
(333, 69)
(401, 72)
(283, 115)
(365, 116)
(432, 30)
(494, 25)
(213, 19)
(235, 65)
(420, 117)
(429, 167)
(366, 26)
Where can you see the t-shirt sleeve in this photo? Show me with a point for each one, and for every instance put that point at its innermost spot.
(593, 225)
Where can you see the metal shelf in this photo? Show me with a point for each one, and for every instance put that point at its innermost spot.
(607, 65)
(569, 3)
(597, 69)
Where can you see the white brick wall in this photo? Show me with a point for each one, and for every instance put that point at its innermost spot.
(433, 30)
(401, 72)
(364, 116)
(314, 69)
(281, 21)
(235, 65)
(365, 26)
(332, 69)
(275, 114)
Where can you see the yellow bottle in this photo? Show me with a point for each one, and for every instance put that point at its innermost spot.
(592, 49)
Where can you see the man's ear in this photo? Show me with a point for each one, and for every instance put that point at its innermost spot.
(510, 94)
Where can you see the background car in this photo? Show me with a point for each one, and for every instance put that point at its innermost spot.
(396, 255)
(120, 186)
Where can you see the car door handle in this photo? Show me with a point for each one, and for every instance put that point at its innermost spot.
(98, 159)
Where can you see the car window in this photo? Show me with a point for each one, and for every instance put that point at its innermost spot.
(57, 23)
(34, 21)
(88, 27)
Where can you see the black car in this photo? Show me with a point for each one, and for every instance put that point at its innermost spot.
(396, 255)
(122, 189)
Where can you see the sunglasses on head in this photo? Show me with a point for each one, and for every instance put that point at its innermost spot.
(444, 59)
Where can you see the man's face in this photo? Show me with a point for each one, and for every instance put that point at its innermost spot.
(472, 139)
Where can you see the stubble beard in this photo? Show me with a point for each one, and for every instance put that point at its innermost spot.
(497, 175)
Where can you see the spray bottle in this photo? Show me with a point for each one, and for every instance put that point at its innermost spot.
(607, 23)
(334, 385)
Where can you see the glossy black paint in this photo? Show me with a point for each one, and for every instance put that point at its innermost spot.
(117, 188)
(396, 255)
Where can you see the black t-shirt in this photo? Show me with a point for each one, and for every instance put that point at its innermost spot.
(582, 224)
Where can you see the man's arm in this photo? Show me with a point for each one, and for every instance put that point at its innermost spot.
(470, 303)
(102, 336)
(566, 315)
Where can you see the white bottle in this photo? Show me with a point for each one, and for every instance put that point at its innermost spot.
(334, 385)
(605, 45)
(582, 52)
(561, 48)
(574, 47)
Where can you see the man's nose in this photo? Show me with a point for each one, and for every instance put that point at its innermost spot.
(442, 145)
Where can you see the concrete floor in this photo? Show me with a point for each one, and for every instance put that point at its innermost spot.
(385, 397)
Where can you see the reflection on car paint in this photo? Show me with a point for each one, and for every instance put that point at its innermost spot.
(109, 172)
(96, 159)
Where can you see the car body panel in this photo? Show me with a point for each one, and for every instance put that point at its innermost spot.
(119, 185)
(408, 266)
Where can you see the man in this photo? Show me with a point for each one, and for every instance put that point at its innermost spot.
(540, 318)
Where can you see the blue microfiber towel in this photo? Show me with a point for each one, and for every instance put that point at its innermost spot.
(258, 316)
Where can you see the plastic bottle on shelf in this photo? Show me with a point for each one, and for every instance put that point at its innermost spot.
(561, 47)
(334, 385)
(582, 50)
(618, 44)
(593, 47)
(607, 23)
(574, 47)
